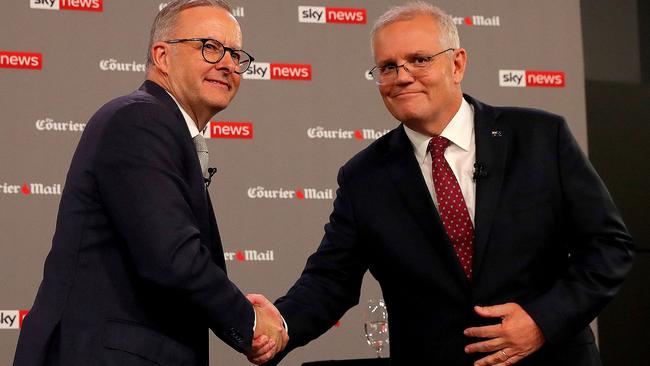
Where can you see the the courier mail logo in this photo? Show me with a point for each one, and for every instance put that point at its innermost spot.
(321, 14)
(21, 60)
(12, 319)
(32, 189)
(530, 78)
(82, 5)
(249, 255)
(260, 192)
(276, 71)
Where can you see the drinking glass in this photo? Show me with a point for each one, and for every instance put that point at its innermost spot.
(376, 325)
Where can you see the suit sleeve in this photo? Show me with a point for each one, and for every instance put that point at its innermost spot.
(330, 284)
(140, 179)
(600, 248)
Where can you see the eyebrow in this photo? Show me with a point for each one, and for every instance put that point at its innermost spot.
(408, 56)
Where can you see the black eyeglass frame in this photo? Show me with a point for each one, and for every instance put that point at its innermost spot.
(397, 67)
(225, 49)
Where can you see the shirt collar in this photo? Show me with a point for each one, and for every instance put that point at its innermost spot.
(191, 125)
(459, 131)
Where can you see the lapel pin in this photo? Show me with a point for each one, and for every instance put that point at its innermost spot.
(497, 133)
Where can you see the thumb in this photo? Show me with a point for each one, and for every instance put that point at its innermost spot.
(256, 299)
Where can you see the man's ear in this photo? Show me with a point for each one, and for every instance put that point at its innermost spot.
(460, 61)
(160, 52)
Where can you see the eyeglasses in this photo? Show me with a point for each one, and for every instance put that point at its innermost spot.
(419, 65)
(213, 51)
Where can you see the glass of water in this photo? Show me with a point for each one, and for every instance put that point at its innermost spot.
(376, 325)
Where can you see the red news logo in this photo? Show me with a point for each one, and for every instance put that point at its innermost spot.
(549, 79)
(231, 130)
(269, 71)
(85, 5)
(82, 5)
(321, 14)
(531, 78)
(346, 15)
(21, 60)
(290, 72)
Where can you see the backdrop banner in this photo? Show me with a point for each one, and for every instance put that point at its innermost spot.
(304, 108)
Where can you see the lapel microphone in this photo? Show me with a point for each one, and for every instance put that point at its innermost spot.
(208, 180)
(480, 171)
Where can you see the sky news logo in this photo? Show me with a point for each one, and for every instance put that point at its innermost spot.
(81, 5)
(275, 71)
(249, 255)
(229, 130)
(319, 133)
(28, 189)
(12, 319)
(21, 60)
(531, 79)
(478, 21)
(260, 192)
(321, 14)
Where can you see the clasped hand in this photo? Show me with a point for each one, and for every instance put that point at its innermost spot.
(270, 337)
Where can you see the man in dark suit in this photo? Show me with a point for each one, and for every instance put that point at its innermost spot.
(462, 205)
(136, 273)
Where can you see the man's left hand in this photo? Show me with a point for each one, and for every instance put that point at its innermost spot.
(515, 338)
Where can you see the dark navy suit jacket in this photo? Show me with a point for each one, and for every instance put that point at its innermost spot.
(548, 237)
(136, 272)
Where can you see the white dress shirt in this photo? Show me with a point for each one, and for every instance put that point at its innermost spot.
(191, 125)
(461, 154)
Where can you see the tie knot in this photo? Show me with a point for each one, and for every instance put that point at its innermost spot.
(438, 145)
(199, 143)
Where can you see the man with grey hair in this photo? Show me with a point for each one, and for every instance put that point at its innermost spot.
(493, 239)
(136, 274)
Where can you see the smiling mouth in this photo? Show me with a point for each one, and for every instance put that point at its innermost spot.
(407, 94)
(219, 83)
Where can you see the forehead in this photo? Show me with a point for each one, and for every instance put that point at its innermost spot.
(209, 22)
(404, 37)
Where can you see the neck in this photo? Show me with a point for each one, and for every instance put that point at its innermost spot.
(200, 117)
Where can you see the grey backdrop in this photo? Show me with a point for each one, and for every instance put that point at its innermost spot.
(81, 50)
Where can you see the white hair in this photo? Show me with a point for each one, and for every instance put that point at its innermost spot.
(166, 19)
(448, 31)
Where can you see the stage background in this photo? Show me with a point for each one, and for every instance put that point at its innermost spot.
(77, 60)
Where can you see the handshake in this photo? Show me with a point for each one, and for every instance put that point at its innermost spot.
(270, 335)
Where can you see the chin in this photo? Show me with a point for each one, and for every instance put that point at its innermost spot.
(218, 103)
(407, 116)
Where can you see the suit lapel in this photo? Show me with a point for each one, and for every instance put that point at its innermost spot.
(161, 94)
(406, 175)
(491, 152)
(201, 199)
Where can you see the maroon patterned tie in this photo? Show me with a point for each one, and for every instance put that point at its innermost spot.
(451, 205)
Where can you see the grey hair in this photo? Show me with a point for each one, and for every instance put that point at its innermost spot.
(448, 31)
(166, 19)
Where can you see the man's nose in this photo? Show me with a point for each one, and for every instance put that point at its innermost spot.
(403, 75)
(226, 63)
